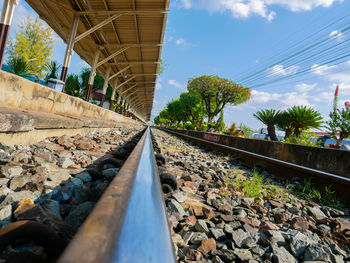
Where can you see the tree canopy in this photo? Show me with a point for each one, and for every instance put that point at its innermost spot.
(193, 107)
(217, 92)
(34, 43)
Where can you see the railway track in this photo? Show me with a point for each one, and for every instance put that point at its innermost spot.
(281, 169)
(130, 221)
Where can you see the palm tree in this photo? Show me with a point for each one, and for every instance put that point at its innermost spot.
(284, 124)
(270, 118)
(302, 118)
(18, 65)
(52, 69)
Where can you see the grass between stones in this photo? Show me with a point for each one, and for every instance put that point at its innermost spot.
(253, 184)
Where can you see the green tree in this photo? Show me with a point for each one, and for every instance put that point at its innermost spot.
(270, 118)
(73, 86)
(34, 42)
(164, 117)
(193, 107)
(161, 68)
(177, 111)
(220, 124)
(18, 65)
(302, 118)
(217, 92)
(52, 68)
(85, 75)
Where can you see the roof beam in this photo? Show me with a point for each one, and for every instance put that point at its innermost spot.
(128, 96)
(124, 83)
(133, 86)
(120, 72)
(116, 44)
(146, 74)
(111, 56)
(135, 62)
(98, 26)
(126, 12)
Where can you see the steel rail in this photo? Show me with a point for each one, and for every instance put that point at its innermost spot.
(288, 169)
(129, 222)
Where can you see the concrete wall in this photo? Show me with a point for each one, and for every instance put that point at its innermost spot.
(30, 112)
(324, 159)
(21, 93)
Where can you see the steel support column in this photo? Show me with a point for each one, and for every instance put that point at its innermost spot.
(111, 101)
(69, 49)
(118, 103)
(5, 23)
(120, 110)
(105, 86)
(124, 107)
(92, 75)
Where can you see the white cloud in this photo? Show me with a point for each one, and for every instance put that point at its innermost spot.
(325, 96)
(280, 100)
(280, 70)
(246, 8)
(296, 98)
(176, 84)
(180, 41)
(336, 34)
(303, 87)
(264, 97)
(187, 4)
(335, 73)
(159, 84)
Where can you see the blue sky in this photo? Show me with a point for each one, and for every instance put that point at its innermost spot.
(236, 38)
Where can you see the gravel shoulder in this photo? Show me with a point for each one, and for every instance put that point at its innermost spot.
(224, 212)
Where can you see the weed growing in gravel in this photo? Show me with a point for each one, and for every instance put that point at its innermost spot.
(325, 196)
(255, 185)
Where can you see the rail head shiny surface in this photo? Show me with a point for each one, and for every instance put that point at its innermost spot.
(129, 222)
(318, 173)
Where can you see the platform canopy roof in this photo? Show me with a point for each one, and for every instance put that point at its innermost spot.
(129, 34)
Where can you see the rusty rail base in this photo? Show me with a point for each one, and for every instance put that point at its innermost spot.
(102, 237)
(280, 169)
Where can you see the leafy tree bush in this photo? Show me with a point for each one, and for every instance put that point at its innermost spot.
(193, 107)
(176, 111)
(339, 120)
(304, 138)
(34, 43)
(189, 126)
(248, 132)
(217, 92)
(73, 86)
